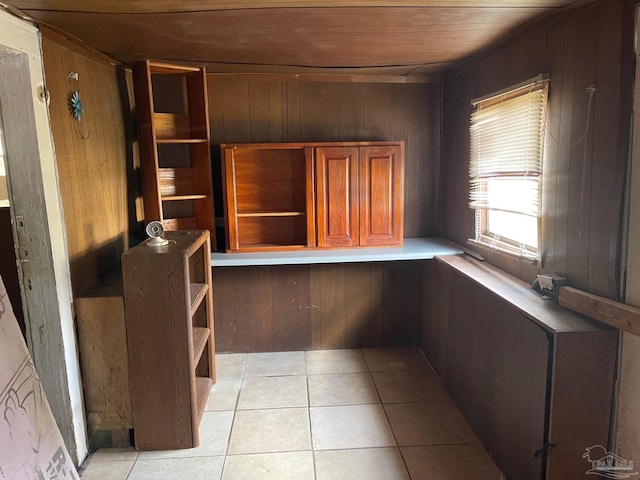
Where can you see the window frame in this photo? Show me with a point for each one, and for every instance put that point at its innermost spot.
(479, 182)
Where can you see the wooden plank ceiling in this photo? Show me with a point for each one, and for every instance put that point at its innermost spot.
(400, 37)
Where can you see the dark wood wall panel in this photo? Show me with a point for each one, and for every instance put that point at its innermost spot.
(290, 300)
(583, 177)
(493, 361)
(327, 306)
(302, 307)
(92, 172)
(244, 110)
(606, 142)
(333, 305)
(516, 369)
(360, 286)
(435, 315)
(593, 357)
(580, 157)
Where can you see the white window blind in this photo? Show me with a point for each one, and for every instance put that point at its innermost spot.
(505, 167)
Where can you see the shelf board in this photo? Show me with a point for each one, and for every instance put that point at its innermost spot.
(258, 247)
(198, 292)
(174, 198)
(203, 386)
(200, 337)
(170, 69)
(271, 214)
(174, 141)
(183, 223)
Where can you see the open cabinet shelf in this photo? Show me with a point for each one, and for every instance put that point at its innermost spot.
(200, 338)
(169, 141)
(268, 197)
(270, 214)
(203, 388)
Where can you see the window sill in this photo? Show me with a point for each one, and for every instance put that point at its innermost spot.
(534, 260)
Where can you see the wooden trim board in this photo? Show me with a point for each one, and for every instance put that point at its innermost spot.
(619, 315)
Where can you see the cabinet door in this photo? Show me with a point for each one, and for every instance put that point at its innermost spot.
(337, 196)
(381, 195)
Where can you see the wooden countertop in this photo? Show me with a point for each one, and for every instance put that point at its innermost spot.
(542, 310)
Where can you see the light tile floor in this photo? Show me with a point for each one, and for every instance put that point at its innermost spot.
(372, 414)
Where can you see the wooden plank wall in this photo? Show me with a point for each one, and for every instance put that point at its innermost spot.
(583, 180)
(246, 110)
(92, 176)
(327, 306)
(92, 173)
(304, 307)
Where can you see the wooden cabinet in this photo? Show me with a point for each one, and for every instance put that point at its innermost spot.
(268, 196)
(534, 380)
(306, 195)
(169, 322)
(173, 135)
(360, 195)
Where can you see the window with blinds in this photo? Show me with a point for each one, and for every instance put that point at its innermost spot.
(507, 134)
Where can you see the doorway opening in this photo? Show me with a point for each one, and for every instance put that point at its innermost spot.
(8, 265)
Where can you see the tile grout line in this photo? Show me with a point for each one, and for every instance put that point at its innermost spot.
(133, 464)
(233, 419)
(404, 462)
(313, 450)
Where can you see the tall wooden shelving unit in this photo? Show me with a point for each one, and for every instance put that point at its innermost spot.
(173, 134)
(169, 321)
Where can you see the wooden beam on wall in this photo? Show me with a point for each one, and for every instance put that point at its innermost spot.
(619, 315)
(76, 46)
